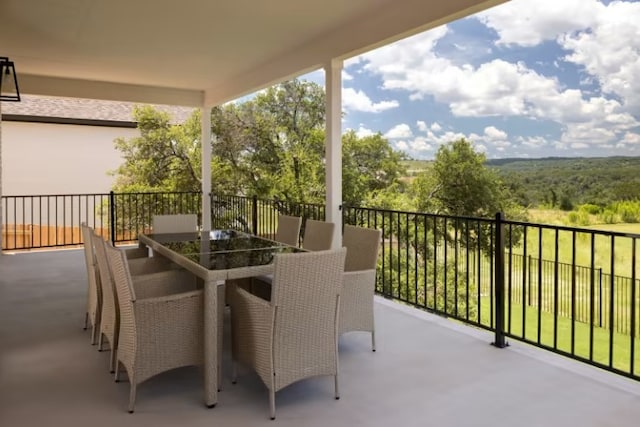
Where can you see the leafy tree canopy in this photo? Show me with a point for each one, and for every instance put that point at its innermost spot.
(460, 184)
(270, 146)
(164, 157)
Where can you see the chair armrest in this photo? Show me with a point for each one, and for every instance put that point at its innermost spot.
(357, 287)
(139, 266)
(169, 300)
(172, 326)
(252, 302)
(134, 253)
(252, 331)
(266, 278)
(261, 286)
(362, 279)
(356, 301)
(163, 283)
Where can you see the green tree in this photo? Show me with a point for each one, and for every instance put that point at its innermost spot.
(165, 157)
(271, 146)
(460, 184)
(274, 142)
(369, 166)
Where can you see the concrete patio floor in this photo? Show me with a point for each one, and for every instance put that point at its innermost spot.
(427, 371)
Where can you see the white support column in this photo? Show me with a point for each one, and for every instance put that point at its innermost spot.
(205, 124)
(333, 147)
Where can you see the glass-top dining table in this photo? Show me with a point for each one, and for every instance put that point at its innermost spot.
(216, 256)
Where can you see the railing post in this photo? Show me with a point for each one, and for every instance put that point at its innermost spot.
(112, 216)
(254, 214)
(499, 280)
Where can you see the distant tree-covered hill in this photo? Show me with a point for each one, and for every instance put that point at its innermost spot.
(567, 182)
(563, 182)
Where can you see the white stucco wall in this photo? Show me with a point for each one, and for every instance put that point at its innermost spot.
(40, 158)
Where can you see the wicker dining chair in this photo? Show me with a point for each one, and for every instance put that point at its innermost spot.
(288, 230)
(182, 223)
(318, 235)
(293, 336)
(156, 334)
(356, 301)
(139, 263)
(152, 284)
(94, 293)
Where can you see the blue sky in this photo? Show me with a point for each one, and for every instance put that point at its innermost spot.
(529, 78)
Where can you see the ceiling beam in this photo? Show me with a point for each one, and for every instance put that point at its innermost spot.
(75, 88)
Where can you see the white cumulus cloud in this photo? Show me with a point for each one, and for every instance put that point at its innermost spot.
(364, 132)
(528, 23)
(401, 130)
(357, 100)
(609, 51)
(605, 40)
(631, 138)
(494, 133)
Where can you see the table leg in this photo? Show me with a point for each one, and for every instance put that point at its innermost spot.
(211, 362)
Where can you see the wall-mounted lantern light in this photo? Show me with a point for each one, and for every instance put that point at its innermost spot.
(8, 81)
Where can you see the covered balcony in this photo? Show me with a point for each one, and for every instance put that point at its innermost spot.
(426, 371)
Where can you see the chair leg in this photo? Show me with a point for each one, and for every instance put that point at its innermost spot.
(113, 361)
(94, 334)
(373, 340)
(234, 372)
(116, 375)
(132, 395)
(272, 404)
(337, 387)
(100, 341)
(221, 294)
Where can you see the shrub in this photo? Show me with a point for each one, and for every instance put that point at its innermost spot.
(579, 218)
(590, 209)
(566, 204)
(629, 214)
(608, 216)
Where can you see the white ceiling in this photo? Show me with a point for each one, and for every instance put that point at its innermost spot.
(198, 52)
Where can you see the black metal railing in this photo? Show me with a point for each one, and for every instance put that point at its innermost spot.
(45, 221)
(131, 213)
(256, 215)
(569, 290)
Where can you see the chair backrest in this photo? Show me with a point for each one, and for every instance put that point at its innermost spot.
(127, 339)
(94, 296)
(318, 235)
(183, 223)
(362, 246)
(109, 306)
(288, 231)
(305, 292)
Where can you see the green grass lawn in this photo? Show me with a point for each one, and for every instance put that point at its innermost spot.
(581, 244)
(601, 337)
